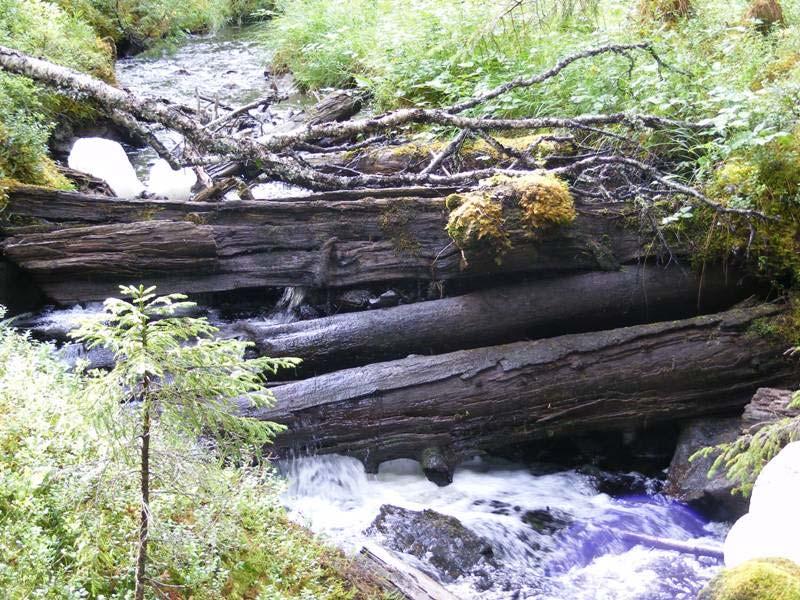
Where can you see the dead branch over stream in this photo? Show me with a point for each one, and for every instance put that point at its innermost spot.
(625, 172)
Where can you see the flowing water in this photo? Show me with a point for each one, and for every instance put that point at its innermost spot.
(583, 559)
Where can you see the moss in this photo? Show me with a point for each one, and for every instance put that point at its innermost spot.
(477, 223)
(762, 579)
(482, 220)
(544, 199)
(394, 220)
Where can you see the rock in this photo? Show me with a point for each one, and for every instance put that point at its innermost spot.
(771, 528)
(171, 184)
(438, 540)
(436, 466)
(689, 481)
(547, 520)
(107, 160)
(354, 299)
(619, 485)
(767, 579)
(385, 300)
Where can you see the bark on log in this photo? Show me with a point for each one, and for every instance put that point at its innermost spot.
(82, 247)
(572, 304)
(398, 576)
(490, 398)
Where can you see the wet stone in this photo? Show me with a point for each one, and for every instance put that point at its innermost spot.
(442, 542)
(547, 520)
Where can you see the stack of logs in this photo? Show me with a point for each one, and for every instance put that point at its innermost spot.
(580, 337)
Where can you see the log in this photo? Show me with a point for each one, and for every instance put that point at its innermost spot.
(570, 304)
(398, 576)
(660, 543)
(81, 247)
(492, 398)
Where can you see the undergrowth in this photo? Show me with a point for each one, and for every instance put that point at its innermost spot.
(69, 508)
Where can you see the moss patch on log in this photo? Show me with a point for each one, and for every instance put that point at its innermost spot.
(773, 578)
(482, 220)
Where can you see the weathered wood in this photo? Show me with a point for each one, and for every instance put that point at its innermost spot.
(83, 247)
(495, 397)
(398, 576)
(570, 304)
(660, 543)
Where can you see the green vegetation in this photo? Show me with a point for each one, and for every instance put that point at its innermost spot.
(27, 113)
(775, 578)
(481, 220)
(135, 25)
(70, 497)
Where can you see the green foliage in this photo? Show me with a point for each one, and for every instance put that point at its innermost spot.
(27, 113)
(743, 459)
(69, 503)
(176, 366)
(138, 24)
(773, 578)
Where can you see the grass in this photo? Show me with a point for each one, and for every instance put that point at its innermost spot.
(68, 508)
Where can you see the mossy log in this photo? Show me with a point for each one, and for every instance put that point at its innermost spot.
(79, 247)
(499, 396)
(536, 309)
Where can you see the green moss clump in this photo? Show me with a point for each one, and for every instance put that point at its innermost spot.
(482, 220)
(477, 223)
(544, 199)
(762, 579)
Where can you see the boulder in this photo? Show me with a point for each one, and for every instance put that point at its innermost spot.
(771, 528)
(689, 481)
(440, 541)
(764, 579)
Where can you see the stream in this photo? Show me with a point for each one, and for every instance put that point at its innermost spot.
(550, 533)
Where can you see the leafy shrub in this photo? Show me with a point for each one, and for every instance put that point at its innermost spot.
(68, 506)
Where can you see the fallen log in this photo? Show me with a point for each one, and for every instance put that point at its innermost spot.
(79, 247)
(398, 576)
(537, 309)
(492, 398)
(660, 543)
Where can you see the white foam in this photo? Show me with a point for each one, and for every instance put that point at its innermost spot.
(106, 160)
(174, 185)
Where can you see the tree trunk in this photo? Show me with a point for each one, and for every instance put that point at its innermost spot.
(537, 309)
(495, 397)
(83, 247)
(144, 515)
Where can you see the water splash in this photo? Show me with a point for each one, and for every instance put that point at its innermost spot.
(584, 560)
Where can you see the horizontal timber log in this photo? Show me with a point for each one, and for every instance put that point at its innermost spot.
(494, 397)
(79, 247)
(569, 304)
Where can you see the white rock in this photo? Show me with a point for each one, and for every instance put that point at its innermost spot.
(107, 160)
(175, 185)
(771, 529)
(777, 489)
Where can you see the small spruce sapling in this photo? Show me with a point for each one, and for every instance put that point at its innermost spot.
(173, 376)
